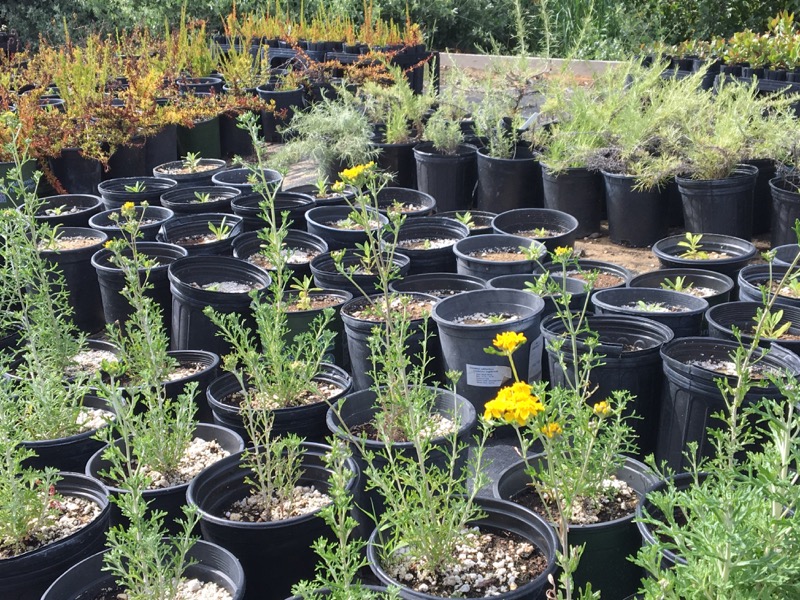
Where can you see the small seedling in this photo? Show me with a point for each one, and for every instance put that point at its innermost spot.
(136, 188)
(191, 162)
(495, 318)
(773, 328)
(304, 289)
(530, 252)
(693, 247)
(466, 219)
(541, 232)
(203, 196)
(651, 306)
(679, 284)
(321, 186)
(221, 231)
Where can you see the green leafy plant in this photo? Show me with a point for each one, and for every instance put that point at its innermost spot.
(772, 323)
(443, 132)
(679, 284)
(465, 218)
(655, 307)
(693, 247)
(303, 288)
(203, 196)
(136, 188)
(221, 231)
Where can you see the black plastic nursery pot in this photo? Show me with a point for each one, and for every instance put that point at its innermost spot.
(636, 218)
(233, 140)
(359, 329)
(207, 363)
(398, 160)
(244, 179)
(715, 288)
(28, 575)
(247, 245)
(172, 499)
(604, 562)
(463, 343)
(200, 281)
(360, 408)
(785, 255)
(150, 219)
(160, 148)
(322, 220)
(481, 220)
(80, 279)
(190, 200)
(68, 453)
(115, 194)
(177, 171)
(575, 287)
(116, 307)
(507, 183)
(752, 277)
(199, 84)
(209, 563)
(76, 173)
(411, 203)
(785, 209)
(275, 555)
(450, 179)
(299, 321)
(248, 206)
(723, 206)
(552, 228)
(202, 138)
(68, 210)
(738, 253)
(440, 285)
(286, 103)
(742, 315)
(578, 192)
(682, 313)
(128, 160)
(185, 231)
(306, 421)
(469, 259)
(610, 275)
(762, 197)
(693, 396)
(439, 234)
(630, 346)
(327, 276)
(500, 517)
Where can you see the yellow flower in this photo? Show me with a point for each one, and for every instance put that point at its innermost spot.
(338, 186)
(109, 243)
(563, 251)
(509, 341)
(128, 210)
(356, 173)
(602, 409)
(514, 404)
(551, 430)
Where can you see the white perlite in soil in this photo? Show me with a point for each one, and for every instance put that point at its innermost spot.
(73, 513)
(199, 455)
(306, 499)
(481, 570)
(93, 418)
(439, 426)
(194, 589)
(89, 362)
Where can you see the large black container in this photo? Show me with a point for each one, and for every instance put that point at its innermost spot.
(451, 179)
(635, 217)
(209, 563)
(285, 104)
(470, 264)
(171, 500)
(27, 576)
(191, 329)
(752, 277)
(248, 206)
(523, 221)
(68, 210)
(398, 160)
(319, 219)
(117, 192)
(436, 229)
(186, 201)
(150, 218)
(463, 344)
(693, 396)
(608, 545)
(631, 362)
(112, 280)
(500, 517)
(76, 173)
(208, 168)
(176, 230)
(249, 244)
(306, 421)
(274, 555)
(723, 206)
(80, 279)
(739, 252)
(685, 321)
(327, 276)
(720, 285)
(785, 209)
(411, 203)
(742, 315)
(507, 183)
(578, 192)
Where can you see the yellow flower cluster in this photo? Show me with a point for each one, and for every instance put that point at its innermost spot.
(551, 430)
(355, 173)
(563, 251)
(128, 210)
(514, 404)
(509, 341)
(602, 409)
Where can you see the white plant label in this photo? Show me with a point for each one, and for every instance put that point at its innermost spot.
(487, 376)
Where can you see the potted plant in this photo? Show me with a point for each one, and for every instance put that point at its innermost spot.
(714, 287)
(192, 170)
(490, 255)
(284, 95)
(715, 252)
